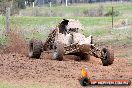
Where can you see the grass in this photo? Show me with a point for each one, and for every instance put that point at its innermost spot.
(90, 24)
(4, 85)
(3, 40)
(115, 37)
(39, 27)
(49, 22)
(76, 9)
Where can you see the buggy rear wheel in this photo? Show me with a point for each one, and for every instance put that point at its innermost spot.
(107, 56)
(35, 48)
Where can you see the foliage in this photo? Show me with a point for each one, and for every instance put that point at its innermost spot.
(15, 5)
(114, 13)
(21, 4)
(94, 12)
(78, 10)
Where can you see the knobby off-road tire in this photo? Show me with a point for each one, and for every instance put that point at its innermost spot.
(107, 56)
(35, 48)
(58, 52)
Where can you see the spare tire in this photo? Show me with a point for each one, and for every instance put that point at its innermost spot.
(107, 56)
(58, 52)
(35, 48)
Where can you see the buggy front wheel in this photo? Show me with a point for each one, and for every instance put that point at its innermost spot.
(107, 56)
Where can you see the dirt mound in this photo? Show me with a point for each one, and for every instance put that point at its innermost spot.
(16, 44)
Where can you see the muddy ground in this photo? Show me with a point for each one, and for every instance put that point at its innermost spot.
(17, 68)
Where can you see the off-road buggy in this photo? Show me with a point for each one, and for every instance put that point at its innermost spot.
(66, 39)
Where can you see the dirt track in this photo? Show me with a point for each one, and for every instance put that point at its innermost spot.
(15, 66)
